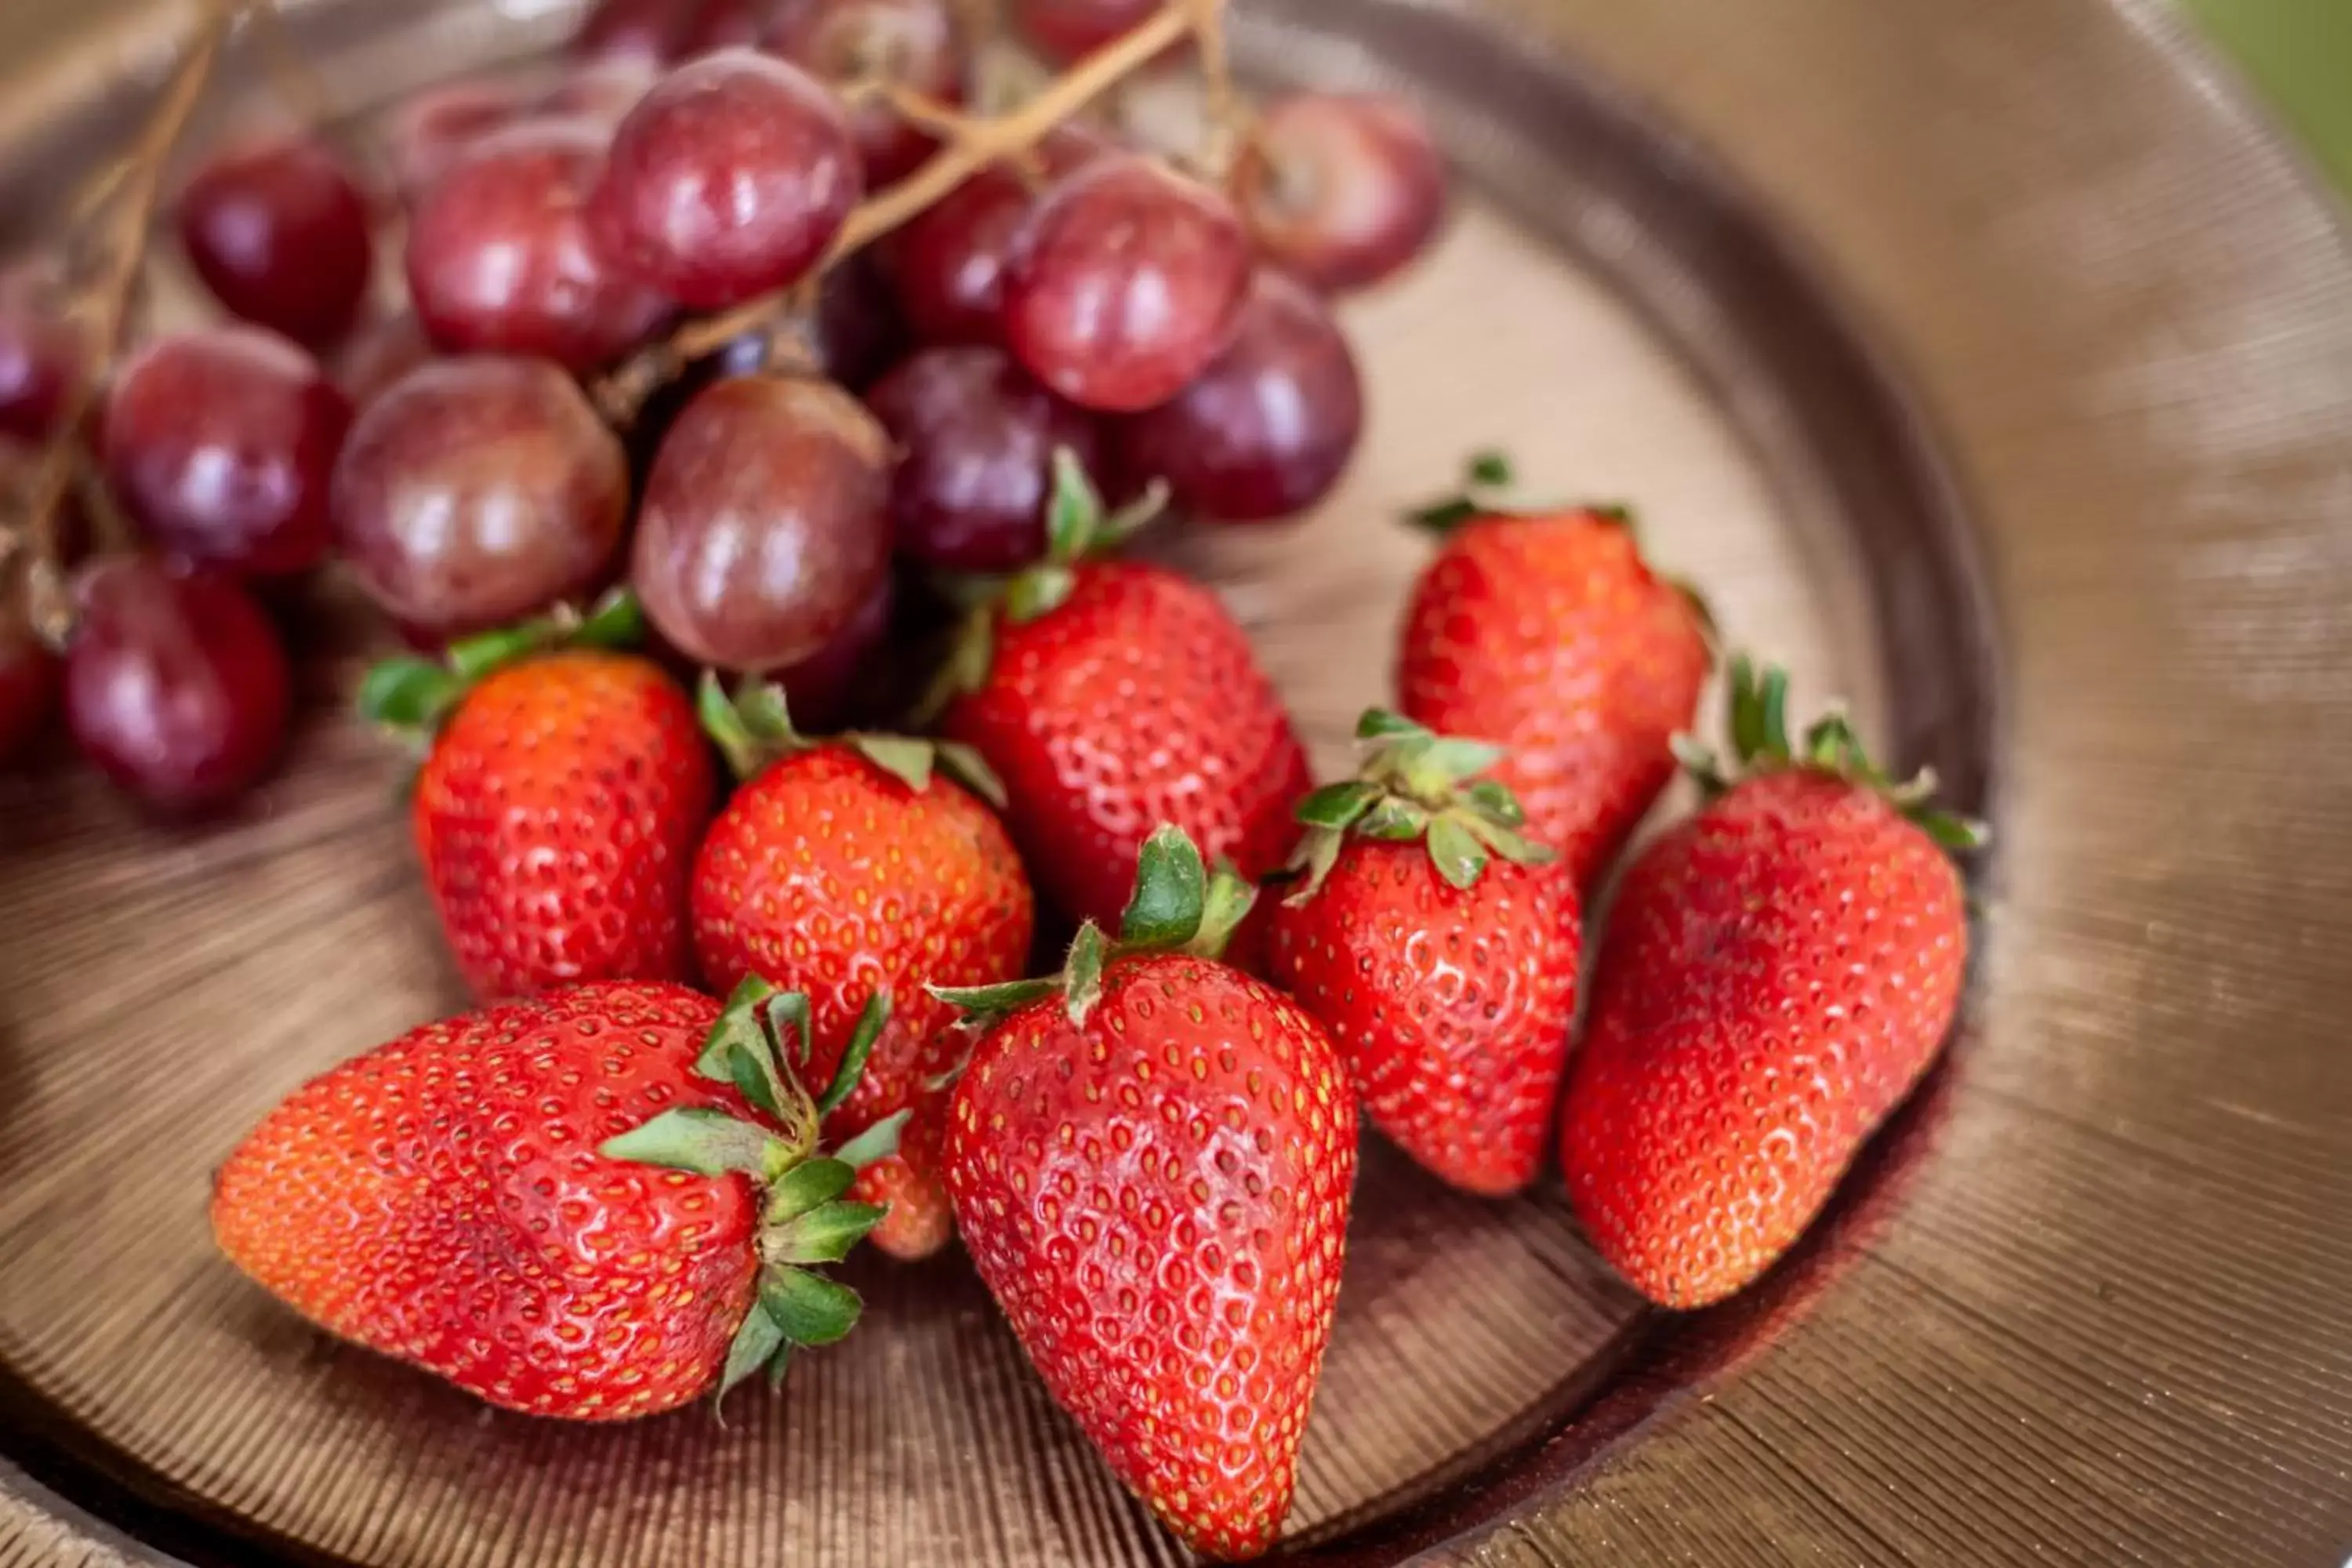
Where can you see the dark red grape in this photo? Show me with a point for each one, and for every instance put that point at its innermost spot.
(602, 91)
(976, 438)
(913, 43)
(380, 353)
(428, 131)
(39, 351)
(281, 234)
(499, 258)
(1064, 30)
(823, 690)
(765, 523)
(1268, 428)
(859, 333)
(476, 490)
(28, 673)
(176, 684)
(1123, 283)
(725, 24)
(946, 265)
(729, 179)
(221, 445)
(1341, 189)
(653, 31)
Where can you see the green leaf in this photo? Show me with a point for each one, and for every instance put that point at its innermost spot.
(1493, 800)
(618, 621)
(965, 668)
(1379, 724)
(1335, 806)
(878, 1141)
(811, 1185)
(1774, 704)
(1698, 760)
(768, 714)
(1171, 888)
(756, 1344)
(1746, 711)
(809, 1309)
(1230, 897)
(792, 1023)
(871, 1020)
(1082, 972)
(1620, 514)
(968, 768)
(1039, 591)
(723, 722)
(1444, 517)
(1518, 849)
(1394, 821)
(1957, 833)
(693, 1138)
(994, 1001)
(1134, 517)
(1459, 857)
(470, 658)
(408, 693)
(826, 1235)
(738, 1024)
(1490, 468)
(1319, 852)
(1073, 513)
(753, 1073)
(903, 757)
(1455, 760)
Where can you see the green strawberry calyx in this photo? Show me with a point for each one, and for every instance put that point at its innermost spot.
(754, 728)
(412, 695)
(1761, 745)
(1178, 905)
(1078, 527)
(761, 1038)
(1415, 784)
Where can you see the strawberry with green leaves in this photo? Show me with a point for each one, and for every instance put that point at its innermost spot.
(1777, 974)
(564, 787)
(1439, 948)
(1151, 1156)
(857, 866)
(596, 1206)
(1547, 634)
(1114, 696)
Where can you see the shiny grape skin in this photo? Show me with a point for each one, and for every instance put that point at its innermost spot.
(499, 259)
(430, 130)
(176, 684)
(38, 352)
(1341, 190)
(1067, 30)
(282, 234)
(1124, 282)
(1268, 428)
(476, 490)
(652, 31)
(824, 689)
(221, 442)
(765, 522)
(946, 265)
(727, 180)
(975, 434)
(838, 42)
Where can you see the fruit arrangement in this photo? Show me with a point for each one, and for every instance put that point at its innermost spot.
(758, 446)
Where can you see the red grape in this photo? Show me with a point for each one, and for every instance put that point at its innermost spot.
(39, 352)
(1123, 283)
(948, 263)
(476, 490)
(380, 353)
(428, 131)
(858, 330)
(500, 257)
(1064, 30)
(653, 31)
(1341, 189)
(765, 523)
(602, 91)
(725, 24)
(823, 690)
(1268, 428)
(176, 684)
(976, 438)
(912, 43)
(281, 234)
(729, 179)
(221, 445)
(28, 675)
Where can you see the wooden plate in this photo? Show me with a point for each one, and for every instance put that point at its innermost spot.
(1991, 364)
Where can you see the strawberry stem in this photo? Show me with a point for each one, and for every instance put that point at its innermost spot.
(413, 695)
(753, 729)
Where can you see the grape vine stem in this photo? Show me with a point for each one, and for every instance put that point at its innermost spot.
(972, 144)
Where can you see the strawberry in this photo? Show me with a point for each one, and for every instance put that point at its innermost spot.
(851, 867)
(1113, 697)
(910, 1183)
(1439, 949)
(1549, 636)
(1778, 972)
(478, 1198)
(1152, 1157)
(557, 810)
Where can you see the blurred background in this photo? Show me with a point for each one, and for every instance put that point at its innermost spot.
(2299, 54)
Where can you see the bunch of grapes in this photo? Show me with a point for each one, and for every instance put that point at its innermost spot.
(641, 338)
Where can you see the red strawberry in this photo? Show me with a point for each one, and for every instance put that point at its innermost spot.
(1151, 1158)
(475, 1198)
(1113, 697)
(1778, 972)
(854, 866)
(910, 1184)
(557, 810)
(1550, 637)
(1439, 948)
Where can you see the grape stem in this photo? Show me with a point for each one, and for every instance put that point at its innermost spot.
(122, 201)
(972, 142)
